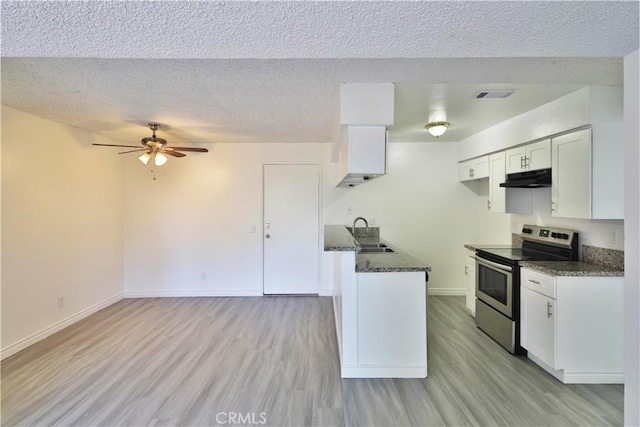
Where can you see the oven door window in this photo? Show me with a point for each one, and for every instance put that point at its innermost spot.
(494, 283)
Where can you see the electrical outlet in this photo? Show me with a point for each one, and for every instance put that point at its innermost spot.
(60, 302)
(613, 236)
(372, 221)
(349, 210)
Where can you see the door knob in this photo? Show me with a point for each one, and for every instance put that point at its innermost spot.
(267, 235)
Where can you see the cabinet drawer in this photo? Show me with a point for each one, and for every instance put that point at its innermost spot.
(546, 285)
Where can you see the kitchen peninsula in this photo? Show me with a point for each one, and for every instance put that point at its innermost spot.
(380, 305)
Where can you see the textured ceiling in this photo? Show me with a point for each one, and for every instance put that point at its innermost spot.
(318, 29)
(270, 71)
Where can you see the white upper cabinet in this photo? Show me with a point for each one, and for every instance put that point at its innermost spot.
(474, 169)
(587, 174)
(363, 155)
(529, 157)
(497, 194)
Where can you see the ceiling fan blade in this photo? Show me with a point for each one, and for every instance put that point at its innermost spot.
(133, 151)
(173, 153)
(195, 149)
(114, 145)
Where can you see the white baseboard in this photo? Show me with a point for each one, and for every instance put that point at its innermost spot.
(194, 293)
(386, 372)
(579, 377)
(58, 326)
(452, 292)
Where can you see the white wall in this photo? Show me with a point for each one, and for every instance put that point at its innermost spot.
(61, 227)
(632, 241)
(595, 105)
(420, 207)
(190, 231)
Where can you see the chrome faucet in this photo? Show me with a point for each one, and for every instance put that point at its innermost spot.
(366, 225)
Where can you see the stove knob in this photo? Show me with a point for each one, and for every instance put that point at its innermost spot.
(565, 236)
(526, 231)
(555, 235)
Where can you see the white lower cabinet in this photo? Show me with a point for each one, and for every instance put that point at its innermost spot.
(573, 326)
(381, 321)
(470, 282)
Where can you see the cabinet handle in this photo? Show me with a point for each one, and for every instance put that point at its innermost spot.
(526, 162)
(488, 204)
(466, 270)
(553, 206)
(521, 162)
(470, 172)
(534, 281)
(549, 306)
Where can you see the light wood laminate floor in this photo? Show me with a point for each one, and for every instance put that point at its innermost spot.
(199, 361)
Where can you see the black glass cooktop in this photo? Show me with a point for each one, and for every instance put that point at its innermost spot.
(518, 254)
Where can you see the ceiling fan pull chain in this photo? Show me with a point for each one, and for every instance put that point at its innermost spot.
(153, 171)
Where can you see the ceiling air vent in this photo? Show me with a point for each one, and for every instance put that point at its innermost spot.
(494, 93)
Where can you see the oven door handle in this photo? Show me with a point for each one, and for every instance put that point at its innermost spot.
(493, 264)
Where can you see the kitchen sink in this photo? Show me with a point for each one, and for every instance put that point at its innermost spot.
(375, 249)
(373, 245)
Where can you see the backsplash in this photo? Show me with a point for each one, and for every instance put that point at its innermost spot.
(366, 232)
(602, 256)
(516, 240)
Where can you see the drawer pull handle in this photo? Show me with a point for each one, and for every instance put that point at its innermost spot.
(549, 310)
(534, 281)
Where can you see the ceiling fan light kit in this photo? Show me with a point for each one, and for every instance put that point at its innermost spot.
(437, 129)
(157, 148)
(145, 158)
(160, 159)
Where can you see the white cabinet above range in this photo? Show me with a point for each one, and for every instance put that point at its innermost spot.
(529, 157)
(363, 154)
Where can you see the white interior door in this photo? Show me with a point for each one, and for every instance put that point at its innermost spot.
(290, 229)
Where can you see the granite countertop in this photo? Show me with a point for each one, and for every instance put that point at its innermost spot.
(572, 268)
(337, 238)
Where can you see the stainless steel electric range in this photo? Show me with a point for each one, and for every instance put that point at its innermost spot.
(498, 280)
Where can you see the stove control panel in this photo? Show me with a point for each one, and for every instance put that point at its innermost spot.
(549, 235)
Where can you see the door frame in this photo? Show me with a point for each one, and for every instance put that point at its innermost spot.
(320, 243)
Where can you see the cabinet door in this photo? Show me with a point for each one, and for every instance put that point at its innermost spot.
(367, 150)
(537, 325)
(497, 194)
(515, 158)
(465, 171)
(481, 167)
(538, 155)
(571, 175)
(470, 283)
(473, 169)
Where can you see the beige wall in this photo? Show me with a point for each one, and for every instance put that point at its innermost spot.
(61, 227)
(191, 231)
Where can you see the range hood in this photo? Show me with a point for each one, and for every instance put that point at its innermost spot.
(529, 179)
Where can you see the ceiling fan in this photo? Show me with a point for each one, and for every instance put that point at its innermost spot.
(155, 148)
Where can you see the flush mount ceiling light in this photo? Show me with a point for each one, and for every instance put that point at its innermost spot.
(437, 129)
